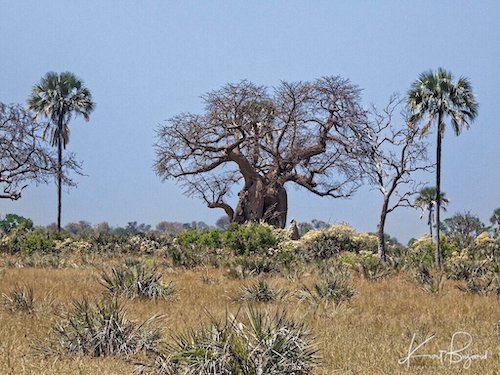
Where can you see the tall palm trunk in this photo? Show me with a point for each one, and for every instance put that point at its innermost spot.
(438, 255)
(59, 170)
(429, 222)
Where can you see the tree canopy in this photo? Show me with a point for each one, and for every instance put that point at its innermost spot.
(24, 156)
(306, 133)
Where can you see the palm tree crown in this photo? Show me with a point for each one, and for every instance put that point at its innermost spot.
(58, 97)
(426, 201)
(427, 198)
(436, 93)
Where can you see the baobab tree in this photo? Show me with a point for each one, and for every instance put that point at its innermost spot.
(311, 134)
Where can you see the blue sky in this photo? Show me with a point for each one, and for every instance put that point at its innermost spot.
(147, 61)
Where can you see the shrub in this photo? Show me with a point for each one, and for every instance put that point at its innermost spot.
(258, 264)
(420, 251)
(102, 329)
(332, 291)
(249, 238)
(486, 247)
(261, 343)
(329, 242)
(430, 282)
(483, 285)
(370, 266)
(13, 221)
(191, 256)
(368, 242)
(29, 242)
(463, 268)
(261, 291)
(136, 282)
(19, 299)
(206, 238)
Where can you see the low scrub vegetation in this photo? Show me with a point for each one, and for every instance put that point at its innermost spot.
(259, 342)
(101, 329)
(21, 298)
(328, 294)
(330, 280)
(136, 282)
(261, 291)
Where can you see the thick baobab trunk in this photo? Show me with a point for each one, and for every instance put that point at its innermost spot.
(258, 202)
(250, 202)
(380, 231)
(276, 206)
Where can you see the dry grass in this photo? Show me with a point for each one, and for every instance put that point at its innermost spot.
(368, 337)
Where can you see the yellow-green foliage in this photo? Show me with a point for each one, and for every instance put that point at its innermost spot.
(487, 247)
(338, 238)
(366, 242)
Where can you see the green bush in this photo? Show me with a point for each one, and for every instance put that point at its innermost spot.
(207, 238)
(29, 242)
(13, 221)
(249, 238)
(190, 256)
(371, 267)
(327, 243)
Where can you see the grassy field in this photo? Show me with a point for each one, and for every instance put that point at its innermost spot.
(369, 335)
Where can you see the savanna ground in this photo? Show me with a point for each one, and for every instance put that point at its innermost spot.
(368, 335)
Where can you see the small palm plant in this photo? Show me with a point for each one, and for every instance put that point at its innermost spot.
(137, 282)
(261, 291)
(20, 299)
(430, 282)
(260, 343)
(101, 329)
(332, 292)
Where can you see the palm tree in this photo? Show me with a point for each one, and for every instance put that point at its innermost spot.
(58, 97)
(426, 201)
(437, 96)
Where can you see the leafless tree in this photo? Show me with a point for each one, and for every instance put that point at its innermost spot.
(24, 156)
(169, 227)
(307, 133)
(396, 155)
